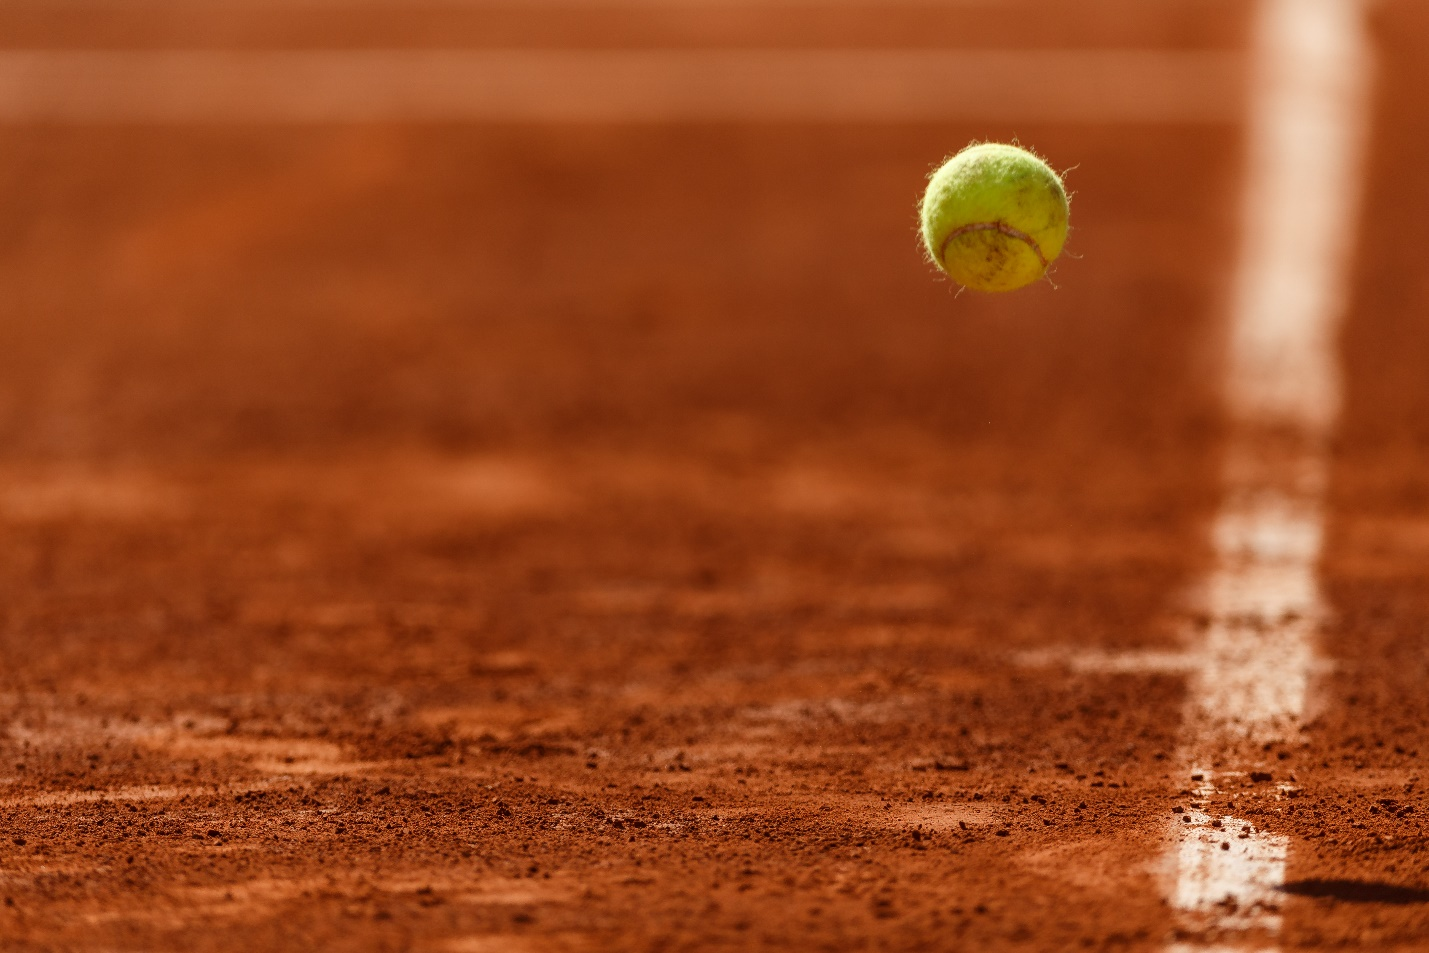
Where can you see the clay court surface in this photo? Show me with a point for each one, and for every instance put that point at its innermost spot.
(509, 537)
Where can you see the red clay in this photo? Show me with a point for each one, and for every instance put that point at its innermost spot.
(523, 539)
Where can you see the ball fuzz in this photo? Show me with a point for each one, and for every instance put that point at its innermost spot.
(994, 217)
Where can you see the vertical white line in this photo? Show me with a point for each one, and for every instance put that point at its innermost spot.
(1308, 107)
(1307, 127)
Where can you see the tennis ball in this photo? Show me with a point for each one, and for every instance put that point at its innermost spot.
(994, 217)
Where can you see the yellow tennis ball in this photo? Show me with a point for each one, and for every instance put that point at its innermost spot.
(994, 217)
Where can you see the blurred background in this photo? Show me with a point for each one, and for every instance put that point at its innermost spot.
(594, 327)
(600, 328)
(321, 227)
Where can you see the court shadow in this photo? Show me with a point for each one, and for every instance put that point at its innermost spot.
(1356, 891)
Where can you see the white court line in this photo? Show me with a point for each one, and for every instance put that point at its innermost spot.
(1250, 669)
(881, 86)
(1308, 118)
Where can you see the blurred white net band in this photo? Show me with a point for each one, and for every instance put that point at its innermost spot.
(1087, 86)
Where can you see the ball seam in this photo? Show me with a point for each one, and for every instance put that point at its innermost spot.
(1002, 227)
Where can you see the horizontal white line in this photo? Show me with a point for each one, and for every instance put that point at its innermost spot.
(1099, 86)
